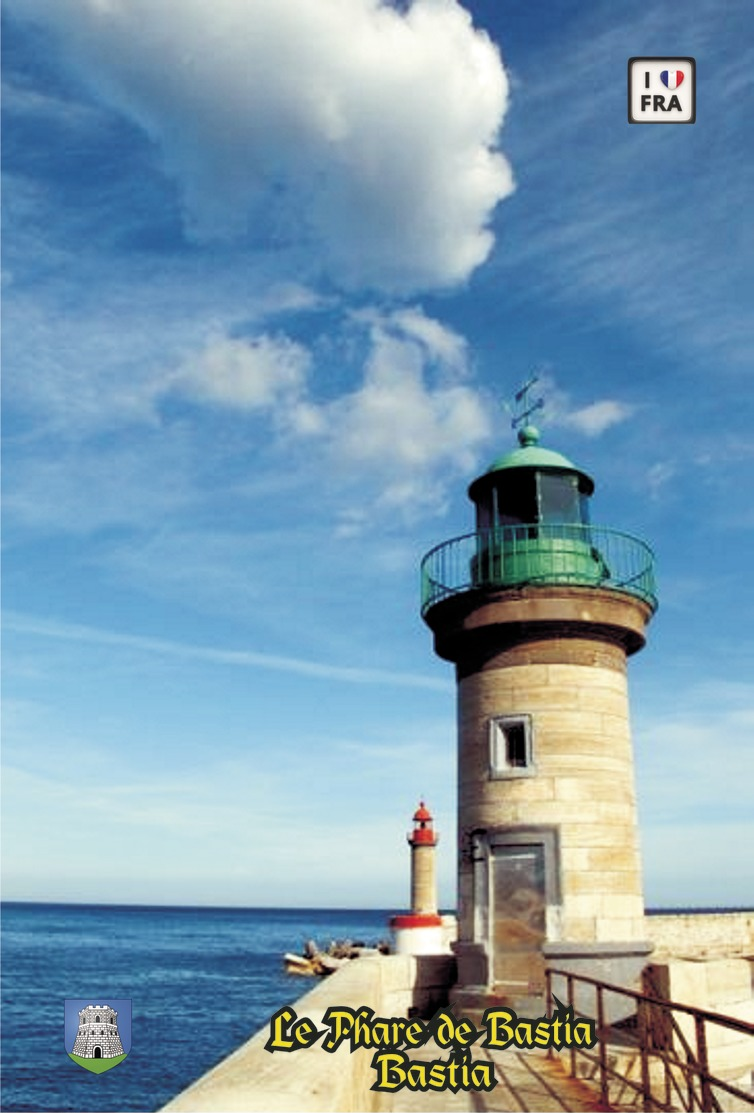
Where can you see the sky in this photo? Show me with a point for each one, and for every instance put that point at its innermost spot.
(270, 270)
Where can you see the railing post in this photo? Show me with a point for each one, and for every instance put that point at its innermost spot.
(646, 1088)
(702, 1060)
(689, 1075)
(570, 1006)
(602, 1037)
(662, 1023)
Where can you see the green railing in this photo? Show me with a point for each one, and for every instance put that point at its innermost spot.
(514, 556)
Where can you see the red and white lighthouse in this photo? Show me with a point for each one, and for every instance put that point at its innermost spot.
(420, 931)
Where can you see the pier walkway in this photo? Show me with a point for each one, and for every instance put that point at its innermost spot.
(527, 1081)
(254, 1080)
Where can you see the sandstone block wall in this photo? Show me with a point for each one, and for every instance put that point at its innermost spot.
(582, 782)
(702, 935)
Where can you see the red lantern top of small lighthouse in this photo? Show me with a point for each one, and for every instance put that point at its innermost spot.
(423, 833)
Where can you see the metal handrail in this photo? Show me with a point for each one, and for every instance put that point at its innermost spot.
(695, 1069)
(539, 553)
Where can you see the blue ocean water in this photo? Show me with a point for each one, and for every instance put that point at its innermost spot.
(201, 981)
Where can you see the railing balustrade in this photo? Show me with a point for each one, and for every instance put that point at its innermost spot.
(674, 1071)
(541, 553)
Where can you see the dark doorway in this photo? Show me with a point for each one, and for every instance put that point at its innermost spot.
(98, 1053)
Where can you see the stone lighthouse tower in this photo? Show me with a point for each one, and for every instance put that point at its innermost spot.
(420, 931)
(538, 610)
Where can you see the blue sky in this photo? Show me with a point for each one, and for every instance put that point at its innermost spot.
(269, 269)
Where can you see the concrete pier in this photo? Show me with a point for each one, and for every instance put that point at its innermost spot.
(258, 1081)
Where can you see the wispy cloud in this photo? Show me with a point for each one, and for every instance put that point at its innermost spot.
(695, 770)
(177, 827)
(705, 759)
(78, 488)
(695, 864)
(641, 211)
(659, 475)
(238, 658)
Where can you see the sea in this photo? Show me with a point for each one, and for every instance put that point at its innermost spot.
(201, 981)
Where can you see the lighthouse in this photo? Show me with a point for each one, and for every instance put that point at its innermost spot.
(420, 931)
(539, 609)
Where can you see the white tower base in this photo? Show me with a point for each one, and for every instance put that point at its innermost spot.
(419, 935)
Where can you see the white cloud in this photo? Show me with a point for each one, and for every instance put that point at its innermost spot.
(366, 131)
(400, 426)
(440, 342)
(250, 374)
(407, 426)
(597, 417)
(392, 417)
(591, 420)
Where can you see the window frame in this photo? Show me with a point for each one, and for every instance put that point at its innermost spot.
(499, 744)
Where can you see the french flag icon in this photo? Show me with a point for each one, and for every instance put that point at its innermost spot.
(672, 78)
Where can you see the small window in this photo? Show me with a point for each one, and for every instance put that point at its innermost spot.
(511, 747)
(517, 500)
(558, 498)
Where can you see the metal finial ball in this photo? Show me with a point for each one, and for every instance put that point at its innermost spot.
(529, 435)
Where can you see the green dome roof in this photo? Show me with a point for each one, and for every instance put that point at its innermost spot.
(530, 455)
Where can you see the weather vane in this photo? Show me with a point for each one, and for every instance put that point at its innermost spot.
(525, 405)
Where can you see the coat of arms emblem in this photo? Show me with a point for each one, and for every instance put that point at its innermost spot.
(97, 1036)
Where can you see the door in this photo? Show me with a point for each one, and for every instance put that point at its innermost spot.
(519, 916)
